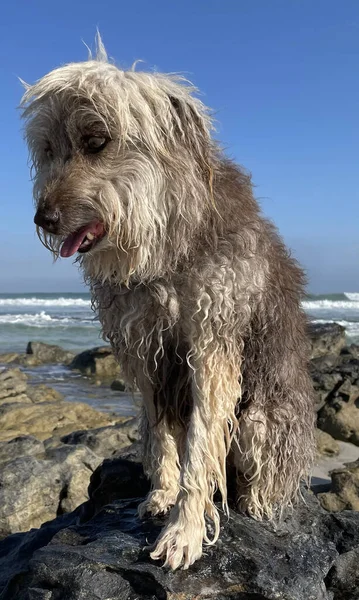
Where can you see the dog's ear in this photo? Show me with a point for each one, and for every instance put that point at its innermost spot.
(192, 126)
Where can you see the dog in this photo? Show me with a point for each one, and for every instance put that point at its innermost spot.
(193, 287)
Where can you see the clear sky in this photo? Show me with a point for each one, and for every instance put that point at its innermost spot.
(282, 76)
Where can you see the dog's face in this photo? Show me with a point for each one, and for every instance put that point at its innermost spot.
(116, 155)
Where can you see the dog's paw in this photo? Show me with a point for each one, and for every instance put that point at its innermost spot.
(157, 502)
(178, 546)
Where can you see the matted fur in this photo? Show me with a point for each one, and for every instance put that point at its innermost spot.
(193, 287)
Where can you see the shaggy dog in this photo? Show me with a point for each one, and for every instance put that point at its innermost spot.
(193, 287)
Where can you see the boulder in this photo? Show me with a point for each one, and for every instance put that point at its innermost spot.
(43, 393)
(9, 357)
(40, 480)
(97, 362)
(24, 445)
(340, 414)
(105, 441)
(41, 353)
(101, 552)
(344, 493)
(46, 419)
(326, 445)
(326, 338)
(34, 490)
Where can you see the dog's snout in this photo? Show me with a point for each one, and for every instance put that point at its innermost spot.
(48, 218)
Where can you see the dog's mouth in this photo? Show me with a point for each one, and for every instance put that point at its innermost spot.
(83, 240)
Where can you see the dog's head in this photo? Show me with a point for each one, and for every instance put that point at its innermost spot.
(121, 163)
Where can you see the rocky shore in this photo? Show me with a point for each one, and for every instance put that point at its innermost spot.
(71, 475)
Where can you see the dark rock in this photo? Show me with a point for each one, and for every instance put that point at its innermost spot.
(343, 577)
(352, 351)
(326, 338)
(97, 362)
(100, 552)
(47, 353)
(344, 493)
(118, 385)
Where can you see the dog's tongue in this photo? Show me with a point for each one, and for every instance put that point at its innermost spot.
(73, 241)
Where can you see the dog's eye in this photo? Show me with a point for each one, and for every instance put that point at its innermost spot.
(94, 144)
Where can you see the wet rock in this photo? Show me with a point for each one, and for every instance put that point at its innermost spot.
(100, 551)
(47, 419)
(40, 353)
(343, 578)
(326, 445)
(118, 385)
(97, 362)
(344, 493)
(326, 339)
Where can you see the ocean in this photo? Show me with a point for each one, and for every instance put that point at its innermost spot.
(67, 320)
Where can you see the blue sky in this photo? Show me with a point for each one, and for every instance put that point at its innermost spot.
(282, 76)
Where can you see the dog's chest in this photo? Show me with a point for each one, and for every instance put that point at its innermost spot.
(138, 319)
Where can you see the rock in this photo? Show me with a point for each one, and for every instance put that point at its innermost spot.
(47, 419)
(97, 362)
(33, 490)
(105, 441)
(100, 551)
(326, 338)
(344, 493)
(352, 351)
(77, 463)
(12, 386)
(326, 445)
(43, 393)
(9, 357)
(343, 578)
(118, 385)
(24, 445)
(41, 353)
(340, 415)
(325, 379)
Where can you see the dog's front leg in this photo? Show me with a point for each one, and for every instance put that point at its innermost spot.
(160, 458)
(215, 391)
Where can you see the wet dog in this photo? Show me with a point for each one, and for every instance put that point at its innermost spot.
(194, 289)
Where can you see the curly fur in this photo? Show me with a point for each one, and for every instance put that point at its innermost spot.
(194, 289)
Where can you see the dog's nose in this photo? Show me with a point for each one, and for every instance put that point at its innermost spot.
(48, 219)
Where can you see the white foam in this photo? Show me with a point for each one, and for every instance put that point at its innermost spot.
(44, 320)
(331, 304)
(352, 296)
(44, 302)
